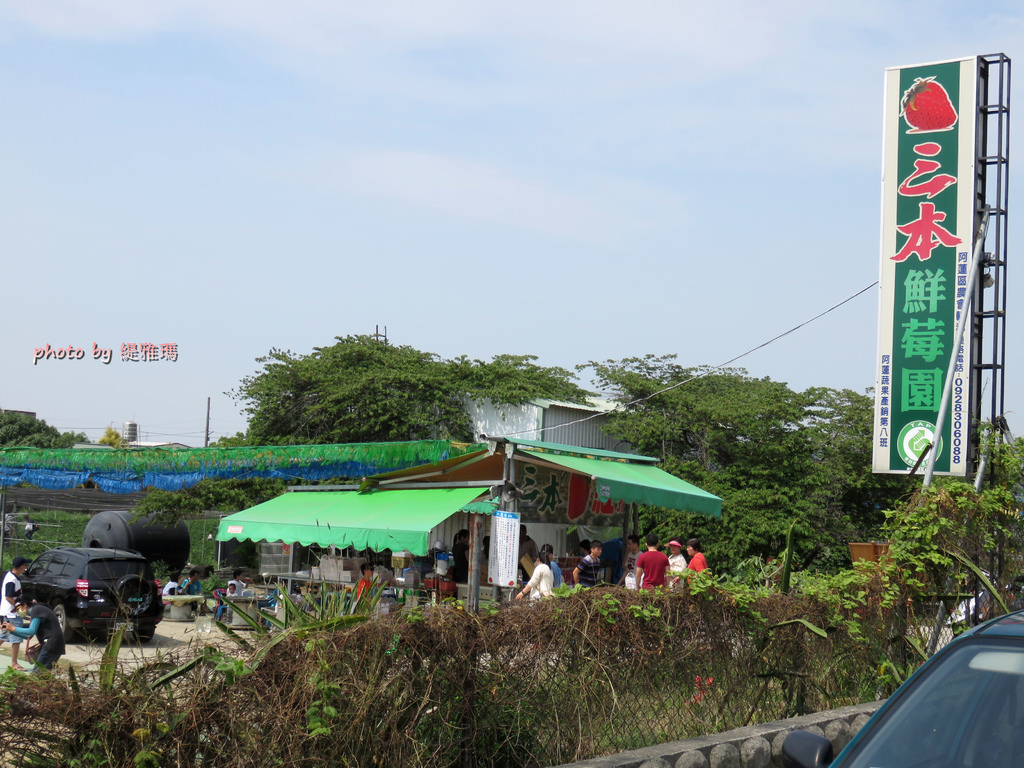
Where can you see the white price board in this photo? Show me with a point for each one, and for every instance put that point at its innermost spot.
(503, 563)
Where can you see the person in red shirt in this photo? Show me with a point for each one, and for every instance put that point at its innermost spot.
(651, 565)
(697, 560)
(366, 582)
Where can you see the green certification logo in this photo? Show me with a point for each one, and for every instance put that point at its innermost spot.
(914, 438)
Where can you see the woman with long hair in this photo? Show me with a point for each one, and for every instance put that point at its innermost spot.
(556, 570)
(541, 583)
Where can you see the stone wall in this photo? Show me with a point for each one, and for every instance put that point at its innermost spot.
(757, 746)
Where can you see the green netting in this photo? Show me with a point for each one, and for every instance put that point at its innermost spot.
(130, 469)
(259, 457)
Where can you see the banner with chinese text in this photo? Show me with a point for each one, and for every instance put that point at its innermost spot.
(557, 496)
(928, 220)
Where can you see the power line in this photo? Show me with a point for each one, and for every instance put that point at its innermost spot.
(707, 372)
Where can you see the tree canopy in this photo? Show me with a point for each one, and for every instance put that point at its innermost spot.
(363, 389)
(112, 438)
(772, 454)
(22, 430)
(167, 507)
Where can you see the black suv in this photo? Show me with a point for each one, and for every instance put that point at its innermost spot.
(96, 589)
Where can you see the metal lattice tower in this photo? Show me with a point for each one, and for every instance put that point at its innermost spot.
(988, 337)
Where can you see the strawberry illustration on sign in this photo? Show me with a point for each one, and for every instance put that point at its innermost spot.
(927, 107)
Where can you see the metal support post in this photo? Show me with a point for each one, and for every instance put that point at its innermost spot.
(958, 339)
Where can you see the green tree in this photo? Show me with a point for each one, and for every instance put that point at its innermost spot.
(167, 507)
(849, 499)
(231, 441)
(515, 379)
(112, 438)
(363, 389)
(772, 454)
(22, 430)
(740, 438)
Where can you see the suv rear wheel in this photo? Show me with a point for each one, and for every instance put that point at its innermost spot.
(62, 618)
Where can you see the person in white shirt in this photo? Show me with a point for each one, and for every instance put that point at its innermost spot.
(542, 581)
(237, 580)
(676, 563)
(10, 591)
(171, 587)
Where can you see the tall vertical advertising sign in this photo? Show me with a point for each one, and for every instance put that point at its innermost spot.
(928, 221)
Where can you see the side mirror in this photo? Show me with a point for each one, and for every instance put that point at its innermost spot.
(802, 749)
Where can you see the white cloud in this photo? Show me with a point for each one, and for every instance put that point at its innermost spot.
(577, 33)
(96, 19)
(476, 192)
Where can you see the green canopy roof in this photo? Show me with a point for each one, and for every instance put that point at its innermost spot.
(396, 520)
(576, 450)
(619, 480)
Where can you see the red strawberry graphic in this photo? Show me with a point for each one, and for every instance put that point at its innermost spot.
(927, 107)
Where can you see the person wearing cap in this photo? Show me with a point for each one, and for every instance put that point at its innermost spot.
(10, 590)
(45, 627)
(676, 562)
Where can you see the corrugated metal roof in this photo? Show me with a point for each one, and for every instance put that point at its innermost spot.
(595, 404)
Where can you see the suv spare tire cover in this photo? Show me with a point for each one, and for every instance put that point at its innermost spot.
(134, 594)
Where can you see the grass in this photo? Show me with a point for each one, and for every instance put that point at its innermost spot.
(58, 528)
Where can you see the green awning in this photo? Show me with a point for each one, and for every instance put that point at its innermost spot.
(640, 483)
(576, 450)
(396, 520)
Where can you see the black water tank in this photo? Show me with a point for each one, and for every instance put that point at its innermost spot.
(113, 528)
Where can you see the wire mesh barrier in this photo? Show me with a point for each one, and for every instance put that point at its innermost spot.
(534, 683)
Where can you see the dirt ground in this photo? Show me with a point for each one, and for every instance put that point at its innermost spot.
(172, 637)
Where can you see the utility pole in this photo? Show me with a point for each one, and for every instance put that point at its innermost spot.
(206, 441)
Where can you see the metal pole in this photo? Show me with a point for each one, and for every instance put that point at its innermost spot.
(958, 340)
(476, 546)
(983, 462)
(3, 521)
(219, 543)
(514, 506)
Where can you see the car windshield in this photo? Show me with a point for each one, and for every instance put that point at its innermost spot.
(967, 711)
(114, 570)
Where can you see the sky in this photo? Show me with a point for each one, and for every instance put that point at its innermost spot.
(581, 180)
